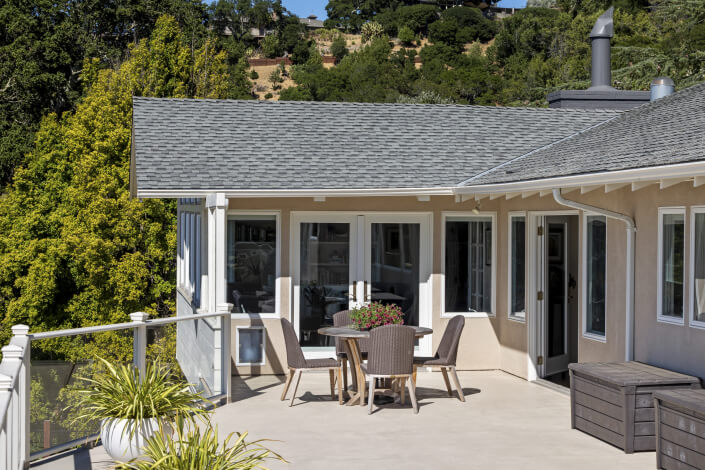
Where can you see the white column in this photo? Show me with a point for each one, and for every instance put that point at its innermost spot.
(139, 342)
(217, 205)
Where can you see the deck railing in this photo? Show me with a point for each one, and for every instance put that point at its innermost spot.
(16, 378)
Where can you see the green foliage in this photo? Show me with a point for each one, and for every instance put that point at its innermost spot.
(425, 97)
(295, 93)
(275, 78)
(254, 75)
(77, 250)
(271, 48)
(370, 31)
(268, 96)
(406, 35)
(196, 448)
(338, 48)
(119, 391)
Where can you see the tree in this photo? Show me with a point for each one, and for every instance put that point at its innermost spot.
(271, 47)
(339, 48)
(77, 249)
(406, 35)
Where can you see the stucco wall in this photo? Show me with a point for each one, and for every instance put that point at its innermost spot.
(499, 342)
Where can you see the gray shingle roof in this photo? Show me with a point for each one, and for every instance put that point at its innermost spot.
(182, 144)
(664, 132)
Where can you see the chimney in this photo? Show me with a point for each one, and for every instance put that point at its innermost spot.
(661, 87)
(600, 37)
(600, 95)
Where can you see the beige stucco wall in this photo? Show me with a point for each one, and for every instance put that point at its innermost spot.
(498, 342)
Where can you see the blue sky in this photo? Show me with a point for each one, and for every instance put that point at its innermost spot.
(303, 8)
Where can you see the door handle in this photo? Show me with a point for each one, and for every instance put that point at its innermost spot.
(364, 295)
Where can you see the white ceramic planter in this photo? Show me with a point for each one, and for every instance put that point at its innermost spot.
(120, 444)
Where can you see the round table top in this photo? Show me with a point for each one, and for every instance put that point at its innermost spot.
(346, 332)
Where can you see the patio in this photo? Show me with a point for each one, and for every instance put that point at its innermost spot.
(506, 423)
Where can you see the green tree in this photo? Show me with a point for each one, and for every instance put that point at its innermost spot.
(77, 250)
(339, 48)
(406, 35)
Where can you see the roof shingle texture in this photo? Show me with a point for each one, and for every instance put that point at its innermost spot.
(193, 144)
(665, 132)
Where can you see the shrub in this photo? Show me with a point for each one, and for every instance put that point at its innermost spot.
(254, 75)
(377, 314)
(371, 30)
(275, 78)
(268, 96)
(295, 93)
(271, 47)
(339, 48)
(406, 35)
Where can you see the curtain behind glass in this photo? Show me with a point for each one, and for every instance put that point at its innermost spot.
(673, 250)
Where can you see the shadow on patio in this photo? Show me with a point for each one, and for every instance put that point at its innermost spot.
(506, 423)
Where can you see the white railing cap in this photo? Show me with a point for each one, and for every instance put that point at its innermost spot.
(20, 330)
(139, 316)
(12, 351)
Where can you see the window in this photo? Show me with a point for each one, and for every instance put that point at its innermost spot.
(469, 265)
(250, 346)
(594, 295)
(252, 263)
(671, 253)
(697, 278)
(189, 250)
(517, 267)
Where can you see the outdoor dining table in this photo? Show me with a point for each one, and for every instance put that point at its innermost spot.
(351, 336)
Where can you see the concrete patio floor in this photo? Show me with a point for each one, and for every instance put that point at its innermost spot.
(506, 423)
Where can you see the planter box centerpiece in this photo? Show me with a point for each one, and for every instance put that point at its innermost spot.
(376, 314)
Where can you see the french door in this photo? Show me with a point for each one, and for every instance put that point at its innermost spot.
(344, 260)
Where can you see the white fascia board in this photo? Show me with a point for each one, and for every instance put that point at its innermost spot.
(682, 170)
(255, 193)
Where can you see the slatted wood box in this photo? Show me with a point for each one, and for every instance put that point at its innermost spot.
(680, 429)
(614, 402)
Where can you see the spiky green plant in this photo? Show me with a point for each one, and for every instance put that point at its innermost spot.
(117, 392)
(195, 449)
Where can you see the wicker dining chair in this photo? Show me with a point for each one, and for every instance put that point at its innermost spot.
(298, 363)
(391, 356)
(342, 319)
(446, 355)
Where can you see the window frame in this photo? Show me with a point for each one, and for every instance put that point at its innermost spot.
(243, 215)
(237, 345)
(584, 273)
(493, 301)
(677, 210)
(511, 315)
(694, 210)
(190, 260)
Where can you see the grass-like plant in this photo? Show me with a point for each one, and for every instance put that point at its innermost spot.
(193, 448)
(117, 392)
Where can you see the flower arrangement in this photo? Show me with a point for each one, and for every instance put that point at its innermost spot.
(376, 314)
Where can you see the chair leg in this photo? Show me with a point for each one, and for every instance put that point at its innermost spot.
(413, 375)
(371, 397)
(445, 379)
(296, 386)
(289, 376)
(402, 391)
(412, 395)
(345, 373)
(331, 374)
(461, 395)
(340, 385)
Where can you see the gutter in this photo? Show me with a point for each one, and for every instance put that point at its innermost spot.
(631, 242)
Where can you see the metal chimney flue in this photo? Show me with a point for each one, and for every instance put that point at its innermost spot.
(600, 37)
(661, 87)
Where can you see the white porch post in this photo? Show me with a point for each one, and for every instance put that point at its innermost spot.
(217, 205)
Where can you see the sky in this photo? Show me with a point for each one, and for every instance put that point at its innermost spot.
(303, 8)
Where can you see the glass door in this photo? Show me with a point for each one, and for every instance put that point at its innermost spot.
(324, 253)
(556, 305)
(397, 266)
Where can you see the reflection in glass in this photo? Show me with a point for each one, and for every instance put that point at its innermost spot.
(673, 250)
(250, 345)
(518, 281)
(395, 253)
(251, 266)
(556, 289)
(325, 278)
(596, 274)
(699, 269)
(468, 270)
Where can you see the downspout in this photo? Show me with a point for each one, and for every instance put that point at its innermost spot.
(631, 239)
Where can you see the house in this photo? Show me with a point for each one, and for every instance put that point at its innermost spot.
(312, 22)
(562, 234)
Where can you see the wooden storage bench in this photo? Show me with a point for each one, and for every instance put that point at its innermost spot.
(613, 401)
(680, 429)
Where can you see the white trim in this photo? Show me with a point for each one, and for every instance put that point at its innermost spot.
(242, 215)
(692, 322)
(680, 210)
(256, 193)
(584, 282)
(469, 216)
(657, 173)
(510, 233)
(237, 345)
